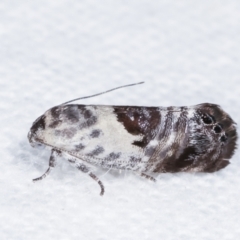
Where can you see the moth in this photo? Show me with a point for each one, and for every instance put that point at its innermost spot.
(145, 140)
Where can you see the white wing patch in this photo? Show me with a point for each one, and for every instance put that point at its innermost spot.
(104, 141)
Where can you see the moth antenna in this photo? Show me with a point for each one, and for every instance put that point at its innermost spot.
(94, 95)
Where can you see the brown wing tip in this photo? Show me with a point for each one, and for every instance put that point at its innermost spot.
(216, 166)
(223, 125)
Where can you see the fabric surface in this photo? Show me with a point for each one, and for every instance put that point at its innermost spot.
(187, 52)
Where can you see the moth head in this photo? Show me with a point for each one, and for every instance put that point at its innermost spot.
(34, 135)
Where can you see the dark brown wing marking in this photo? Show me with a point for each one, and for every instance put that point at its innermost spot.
(139, 121)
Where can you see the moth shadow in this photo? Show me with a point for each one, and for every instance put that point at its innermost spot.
(113, 173)
(27, 158)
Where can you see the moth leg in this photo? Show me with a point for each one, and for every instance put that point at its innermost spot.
(94, 177)
(144, 175)
(52, 163)
(82, 167)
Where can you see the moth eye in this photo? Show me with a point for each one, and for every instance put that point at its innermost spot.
(223, 138)
(217, 129)
(207, 119)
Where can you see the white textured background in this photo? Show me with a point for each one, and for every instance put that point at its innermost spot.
(187, 52)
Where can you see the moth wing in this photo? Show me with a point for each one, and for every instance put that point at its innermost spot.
(112, 136)
(201, 138)
(222, 136)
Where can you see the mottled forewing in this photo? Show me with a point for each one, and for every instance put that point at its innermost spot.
(104, 135)
(194, 139)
